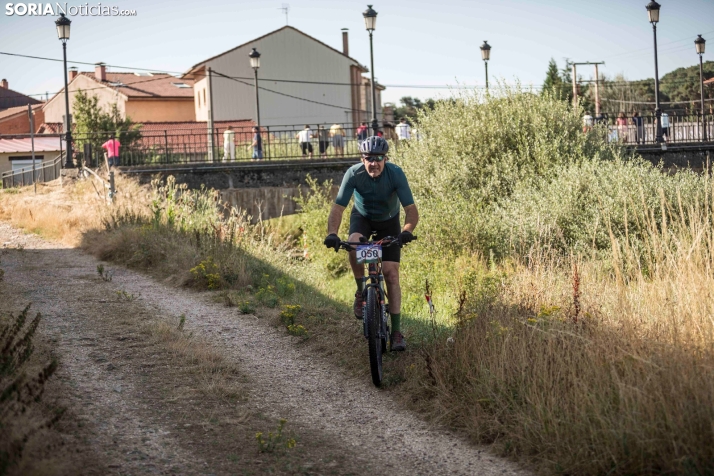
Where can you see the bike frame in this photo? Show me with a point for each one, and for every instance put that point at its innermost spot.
(375, 279)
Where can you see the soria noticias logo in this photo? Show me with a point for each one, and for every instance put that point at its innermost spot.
(54, 9)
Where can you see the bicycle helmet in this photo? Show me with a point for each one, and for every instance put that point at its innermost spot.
(374, 145)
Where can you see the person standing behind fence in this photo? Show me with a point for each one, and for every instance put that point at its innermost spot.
(323, 138)
(112, 149)
(337, 132)
(229, 144)
(404, 130)
(639, 127)
(665, 126)
(362, 132)
(257, 144)
(304, 137)
(587, 122)
(622, 127)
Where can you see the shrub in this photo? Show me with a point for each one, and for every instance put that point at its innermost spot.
(18, 392)
(206, 275)
(275, 440)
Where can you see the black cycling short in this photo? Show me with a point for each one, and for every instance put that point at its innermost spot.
(365, 226)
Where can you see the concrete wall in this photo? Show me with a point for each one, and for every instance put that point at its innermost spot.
(286, 54)
(678, 158)
(266, 202)
(225, 177)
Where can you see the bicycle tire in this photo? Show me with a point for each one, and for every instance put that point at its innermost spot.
(373, 318)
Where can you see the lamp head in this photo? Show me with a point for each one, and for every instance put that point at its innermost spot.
(700, 43)
(370, 18)
(653, 11)
(254, 59)
(485, 51)
(63, 24)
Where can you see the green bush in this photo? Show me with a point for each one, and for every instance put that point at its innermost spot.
(476, 151)
(576, 210)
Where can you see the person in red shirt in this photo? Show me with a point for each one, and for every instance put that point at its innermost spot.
(112, 149)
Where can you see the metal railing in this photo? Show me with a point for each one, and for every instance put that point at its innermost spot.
(195, 145)
(44, 172)
(676, 129)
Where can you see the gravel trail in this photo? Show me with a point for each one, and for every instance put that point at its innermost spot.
(313, 394)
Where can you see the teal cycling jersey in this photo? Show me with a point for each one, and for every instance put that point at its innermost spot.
(377, 198)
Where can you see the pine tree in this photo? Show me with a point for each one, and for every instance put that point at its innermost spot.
(552, 84)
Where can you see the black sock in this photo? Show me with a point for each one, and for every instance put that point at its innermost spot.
(360, 284)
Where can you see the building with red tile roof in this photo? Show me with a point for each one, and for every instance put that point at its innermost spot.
(15, 120)
(10, 98)
(143, 97)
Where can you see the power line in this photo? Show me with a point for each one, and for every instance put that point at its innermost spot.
(661, 102)
(91, 64)
(638, 51)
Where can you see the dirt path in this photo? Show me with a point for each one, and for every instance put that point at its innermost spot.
(142, 403)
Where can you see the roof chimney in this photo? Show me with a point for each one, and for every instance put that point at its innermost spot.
(100, 72)
(3, 84)
(345, 42)
(72, 73)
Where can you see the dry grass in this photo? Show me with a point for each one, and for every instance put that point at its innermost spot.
(581, 365)
(64, 212)
(589, 367)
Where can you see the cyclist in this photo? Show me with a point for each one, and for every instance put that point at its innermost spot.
(379, 187)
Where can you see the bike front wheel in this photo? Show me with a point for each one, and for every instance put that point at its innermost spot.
(373, 319)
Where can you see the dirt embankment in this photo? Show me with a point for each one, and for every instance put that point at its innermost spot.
(158, 380)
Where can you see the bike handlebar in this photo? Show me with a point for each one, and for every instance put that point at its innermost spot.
(385, 242)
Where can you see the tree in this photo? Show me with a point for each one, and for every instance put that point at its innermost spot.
(94, 125)
(553, 83)
(410, 106)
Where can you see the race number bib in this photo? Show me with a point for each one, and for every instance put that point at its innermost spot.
(368, 253)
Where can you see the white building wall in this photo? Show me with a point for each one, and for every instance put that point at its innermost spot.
(286, 54)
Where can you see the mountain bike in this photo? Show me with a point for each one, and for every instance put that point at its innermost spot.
(375, 307)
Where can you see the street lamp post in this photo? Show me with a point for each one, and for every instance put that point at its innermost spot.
(486, 55)
(653, 13)
(370, 22)
(63, 24)
(699, 43)
(255, 64)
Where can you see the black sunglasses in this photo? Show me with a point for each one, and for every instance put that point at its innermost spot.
(374, 158)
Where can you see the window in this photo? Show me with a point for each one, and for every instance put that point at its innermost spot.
(143, 74)
(204, 95)
(181, 85)
(117, 84)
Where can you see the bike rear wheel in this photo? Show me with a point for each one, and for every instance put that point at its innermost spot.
(373, 319)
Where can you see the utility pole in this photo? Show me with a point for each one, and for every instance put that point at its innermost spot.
(597, 81)
(597, 92)
(211, 142)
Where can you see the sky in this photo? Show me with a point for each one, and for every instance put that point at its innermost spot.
(416, 43)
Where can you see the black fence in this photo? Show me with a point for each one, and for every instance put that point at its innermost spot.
(199, 145)
(675, 129)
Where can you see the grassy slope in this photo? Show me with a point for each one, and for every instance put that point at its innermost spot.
(583, 356)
